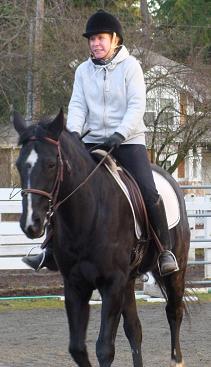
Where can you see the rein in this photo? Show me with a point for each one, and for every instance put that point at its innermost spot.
(83, 182)
(53, 195)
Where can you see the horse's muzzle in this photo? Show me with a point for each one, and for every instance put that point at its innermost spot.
(34, 230)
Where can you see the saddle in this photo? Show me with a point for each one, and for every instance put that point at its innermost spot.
(143, 229)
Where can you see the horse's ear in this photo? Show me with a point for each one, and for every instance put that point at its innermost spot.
(57, 125)
(19, 122)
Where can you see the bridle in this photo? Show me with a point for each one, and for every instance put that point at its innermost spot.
(53, 195)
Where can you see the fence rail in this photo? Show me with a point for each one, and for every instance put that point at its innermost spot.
(14, 244)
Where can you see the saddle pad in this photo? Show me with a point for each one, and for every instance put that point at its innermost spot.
(169, 197)
(165, 190)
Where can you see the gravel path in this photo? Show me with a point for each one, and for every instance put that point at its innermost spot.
(40, 338)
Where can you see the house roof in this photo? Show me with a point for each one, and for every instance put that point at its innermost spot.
(197, 84)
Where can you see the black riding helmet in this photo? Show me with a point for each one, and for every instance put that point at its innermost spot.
(103, 22)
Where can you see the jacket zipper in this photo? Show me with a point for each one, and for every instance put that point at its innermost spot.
(104, 101)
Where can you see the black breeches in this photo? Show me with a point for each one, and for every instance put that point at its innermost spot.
(134, 158)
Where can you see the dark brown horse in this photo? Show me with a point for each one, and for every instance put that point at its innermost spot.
(93, 239)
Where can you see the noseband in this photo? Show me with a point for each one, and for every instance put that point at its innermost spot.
(52, 196)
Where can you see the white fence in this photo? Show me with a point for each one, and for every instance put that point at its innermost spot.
(13, 242)
(199, 216)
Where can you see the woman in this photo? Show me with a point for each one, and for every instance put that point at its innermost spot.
(109, 98)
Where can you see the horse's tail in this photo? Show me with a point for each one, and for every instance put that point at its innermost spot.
(189, 296)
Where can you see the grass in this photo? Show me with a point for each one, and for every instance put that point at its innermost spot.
(204, 297)
(29, 304)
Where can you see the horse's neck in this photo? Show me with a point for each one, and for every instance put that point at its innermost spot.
(78, 168)
(80, 208)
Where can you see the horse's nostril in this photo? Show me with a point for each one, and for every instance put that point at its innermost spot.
(35, 229)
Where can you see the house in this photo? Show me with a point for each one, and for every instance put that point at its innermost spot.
(177, 117)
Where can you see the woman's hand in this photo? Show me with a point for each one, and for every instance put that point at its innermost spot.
(114, 141)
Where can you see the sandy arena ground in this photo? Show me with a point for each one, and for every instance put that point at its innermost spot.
(38, 338)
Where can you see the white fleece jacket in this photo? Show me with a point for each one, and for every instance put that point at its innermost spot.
(109, 98)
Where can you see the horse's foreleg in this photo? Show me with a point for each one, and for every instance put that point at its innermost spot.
(77, 309)
(112, 299)
(132, 325)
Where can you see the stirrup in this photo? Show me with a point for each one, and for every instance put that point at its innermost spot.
(175, 261)
(29, 255)
(42, 261)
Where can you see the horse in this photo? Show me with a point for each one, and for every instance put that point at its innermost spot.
(93, 239)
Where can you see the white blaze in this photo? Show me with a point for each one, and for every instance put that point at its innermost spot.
(31, 161)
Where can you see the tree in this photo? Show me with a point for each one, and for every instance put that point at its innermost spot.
(38, 46)
(180, 116)
(13, 60)
(63, 48)
(188, 20)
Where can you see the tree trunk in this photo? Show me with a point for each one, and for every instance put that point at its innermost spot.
(29, 98)
(146, 23)
(37, 57)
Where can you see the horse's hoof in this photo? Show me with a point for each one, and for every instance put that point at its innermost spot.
(175, 364)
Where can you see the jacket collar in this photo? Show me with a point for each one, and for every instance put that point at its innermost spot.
(119, 57)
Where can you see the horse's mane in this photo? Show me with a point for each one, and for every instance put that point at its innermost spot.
(39, 130)
(76, 145)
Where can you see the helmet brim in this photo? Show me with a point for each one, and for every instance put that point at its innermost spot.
(89, 34)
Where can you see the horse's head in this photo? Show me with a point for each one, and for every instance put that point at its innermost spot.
(39, 166)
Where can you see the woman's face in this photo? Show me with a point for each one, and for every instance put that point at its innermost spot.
(102, 45)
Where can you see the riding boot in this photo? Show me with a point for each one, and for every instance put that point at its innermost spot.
(44, 259)
(167, 262)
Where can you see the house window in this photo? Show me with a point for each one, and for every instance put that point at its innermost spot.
(166, 103)
(151, 104)
(150, 114)
(199, 221)
(149, 118)
(164, 107)
(167, 115)
(166, 119)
